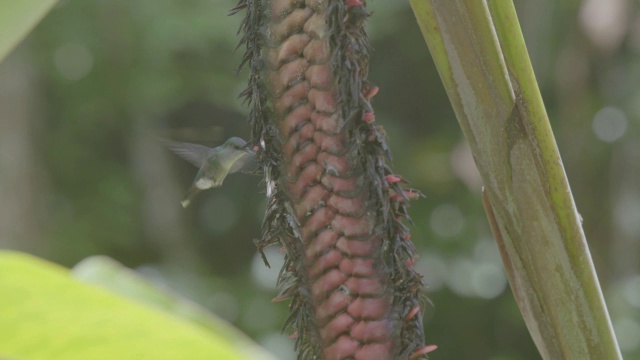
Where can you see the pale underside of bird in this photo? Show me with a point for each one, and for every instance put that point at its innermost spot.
(214, 163)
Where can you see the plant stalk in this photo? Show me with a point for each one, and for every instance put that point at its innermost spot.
(480, 54)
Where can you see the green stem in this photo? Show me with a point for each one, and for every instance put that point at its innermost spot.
(480, 54)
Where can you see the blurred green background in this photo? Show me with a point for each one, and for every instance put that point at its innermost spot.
(81, 175)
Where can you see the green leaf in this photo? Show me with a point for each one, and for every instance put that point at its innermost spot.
(109, 274)
(46, 314)
(17, 18)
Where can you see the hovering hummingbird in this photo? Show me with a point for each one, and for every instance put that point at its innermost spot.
(214, 163)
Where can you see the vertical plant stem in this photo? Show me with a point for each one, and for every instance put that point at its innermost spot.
(481, 57)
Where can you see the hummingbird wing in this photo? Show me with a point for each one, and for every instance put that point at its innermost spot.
(193, 153)
(246, 164)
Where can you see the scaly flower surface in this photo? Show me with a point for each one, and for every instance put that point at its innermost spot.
(334, 204)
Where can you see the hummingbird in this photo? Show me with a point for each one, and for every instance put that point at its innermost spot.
(214, 163)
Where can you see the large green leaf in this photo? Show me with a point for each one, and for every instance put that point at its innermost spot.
(47, 314)
(17, 18)
(108, 273)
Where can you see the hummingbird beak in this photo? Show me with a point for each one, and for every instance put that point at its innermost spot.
(248, 149)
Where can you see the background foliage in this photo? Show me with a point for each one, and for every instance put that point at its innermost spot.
(80, 174)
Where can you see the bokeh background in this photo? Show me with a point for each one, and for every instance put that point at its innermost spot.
(81, 174)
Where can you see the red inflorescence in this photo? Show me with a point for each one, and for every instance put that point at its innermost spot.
(368, 117)
(323, 183)
(340, 204)
(352, 3)
(391, 179)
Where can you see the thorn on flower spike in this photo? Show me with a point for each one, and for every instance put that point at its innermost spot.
(392, 179)
(422, 351)
(413, 312)
(412, 194)
(294, 335)
(407, 194)
(369, 90)
(368, 117)
(352, 3)
(372, 92)
(280, 298)
(410, 262)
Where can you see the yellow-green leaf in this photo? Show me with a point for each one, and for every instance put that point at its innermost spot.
(109, 274)
(46, 314)
(17, 18)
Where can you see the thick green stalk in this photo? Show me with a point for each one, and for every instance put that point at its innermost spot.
(480, 54)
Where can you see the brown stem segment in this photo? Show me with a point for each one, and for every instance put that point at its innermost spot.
(334, 203)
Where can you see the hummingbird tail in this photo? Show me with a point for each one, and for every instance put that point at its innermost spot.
(193, 191)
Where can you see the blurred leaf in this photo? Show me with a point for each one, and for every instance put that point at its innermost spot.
(17, 18)
(111, 275)
(46, 314)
